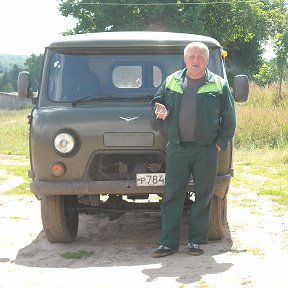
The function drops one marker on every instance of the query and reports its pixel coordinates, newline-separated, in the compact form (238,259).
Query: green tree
(265,75)
(34,65)
(8,87)
(13,75)
(122,15)
(240,26)
(280,29)
(3,81)
(10,78)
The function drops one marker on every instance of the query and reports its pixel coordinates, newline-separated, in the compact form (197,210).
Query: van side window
(127,76)
(157,76)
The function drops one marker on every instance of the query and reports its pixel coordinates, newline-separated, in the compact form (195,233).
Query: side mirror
(24,85)
(241,88)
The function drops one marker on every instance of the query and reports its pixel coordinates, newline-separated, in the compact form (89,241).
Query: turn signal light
(224,53)
(58,169)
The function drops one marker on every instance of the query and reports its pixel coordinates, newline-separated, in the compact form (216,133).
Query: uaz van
(94,145)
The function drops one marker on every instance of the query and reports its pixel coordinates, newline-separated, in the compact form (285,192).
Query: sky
(27,26)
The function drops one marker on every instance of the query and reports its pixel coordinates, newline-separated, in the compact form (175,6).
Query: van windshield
(76,76)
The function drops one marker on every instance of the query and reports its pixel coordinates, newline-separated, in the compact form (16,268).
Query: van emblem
(129,119)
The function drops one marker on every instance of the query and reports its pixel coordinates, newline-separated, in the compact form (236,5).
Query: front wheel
(218,218)
(60,218)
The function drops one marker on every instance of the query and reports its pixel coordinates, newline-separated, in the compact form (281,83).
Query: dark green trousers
(182,161)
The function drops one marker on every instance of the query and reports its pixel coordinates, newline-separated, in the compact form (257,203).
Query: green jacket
(215,119)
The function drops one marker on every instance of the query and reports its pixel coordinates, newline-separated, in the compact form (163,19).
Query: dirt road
(254,252)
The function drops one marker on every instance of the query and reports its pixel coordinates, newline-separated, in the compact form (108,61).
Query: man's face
(196,62)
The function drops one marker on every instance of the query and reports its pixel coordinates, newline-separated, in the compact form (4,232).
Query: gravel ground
(254,252)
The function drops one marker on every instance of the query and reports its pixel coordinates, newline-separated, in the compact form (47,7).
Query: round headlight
(64,143)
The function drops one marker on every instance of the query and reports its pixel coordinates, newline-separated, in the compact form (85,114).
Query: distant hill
(7,61)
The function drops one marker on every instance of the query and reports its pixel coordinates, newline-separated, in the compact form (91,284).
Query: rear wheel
(218,219)
(60,218)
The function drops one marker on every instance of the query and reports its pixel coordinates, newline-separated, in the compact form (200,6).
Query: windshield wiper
(85,98)
(109,97)
(95,98)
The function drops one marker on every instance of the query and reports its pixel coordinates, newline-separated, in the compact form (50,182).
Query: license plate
(150,179)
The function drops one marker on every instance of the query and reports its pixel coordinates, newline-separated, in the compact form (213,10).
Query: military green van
(94,145)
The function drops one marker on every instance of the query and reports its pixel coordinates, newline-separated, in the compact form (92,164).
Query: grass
(267,96)
(261,128)
(201,284)
(262,121)
(20,171)
(14,130)
(279,196)
(77,255)
(264,172)
(22,189)
(244,202)
(252,250)
(255,251)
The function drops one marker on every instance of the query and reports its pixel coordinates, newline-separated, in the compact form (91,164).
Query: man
(198,116)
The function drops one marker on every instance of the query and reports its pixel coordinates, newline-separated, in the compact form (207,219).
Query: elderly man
(198,116)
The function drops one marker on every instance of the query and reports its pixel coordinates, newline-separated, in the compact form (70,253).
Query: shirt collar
(208,77)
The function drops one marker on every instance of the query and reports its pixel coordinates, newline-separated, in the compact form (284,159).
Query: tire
(60,218)
(218,218)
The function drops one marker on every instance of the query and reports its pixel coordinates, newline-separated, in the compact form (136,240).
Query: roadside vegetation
(14,131)
(263,172)
(261,146)
(19,171)
(262,121)
(77,255)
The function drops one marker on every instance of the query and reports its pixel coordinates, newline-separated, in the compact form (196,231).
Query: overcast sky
(27,26)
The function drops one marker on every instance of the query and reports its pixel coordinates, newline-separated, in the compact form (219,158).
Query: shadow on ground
(127,241)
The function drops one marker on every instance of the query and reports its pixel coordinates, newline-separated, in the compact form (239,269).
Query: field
(262,121)
(14,132)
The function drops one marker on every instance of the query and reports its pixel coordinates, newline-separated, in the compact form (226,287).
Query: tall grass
(267,96)
(14,131)
(262,121)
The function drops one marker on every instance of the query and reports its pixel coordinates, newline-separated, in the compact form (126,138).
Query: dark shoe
(194,249)
(163,251)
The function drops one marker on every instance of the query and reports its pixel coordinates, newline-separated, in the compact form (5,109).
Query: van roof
(134,39)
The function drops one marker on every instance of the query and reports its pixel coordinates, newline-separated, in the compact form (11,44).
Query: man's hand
(218,148)
(160,111)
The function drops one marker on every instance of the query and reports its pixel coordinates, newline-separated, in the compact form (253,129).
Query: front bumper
(124,187)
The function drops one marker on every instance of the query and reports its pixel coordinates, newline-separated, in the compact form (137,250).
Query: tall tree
(34,66)
(126,15)
(8,80)
(280,40)
(240,26)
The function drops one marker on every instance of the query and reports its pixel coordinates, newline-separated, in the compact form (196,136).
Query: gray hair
(199,45)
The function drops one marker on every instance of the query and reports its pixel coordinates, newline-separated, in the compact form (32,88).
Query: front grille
(107,165)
